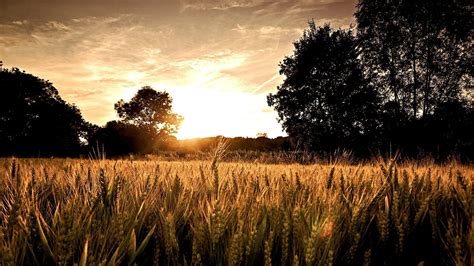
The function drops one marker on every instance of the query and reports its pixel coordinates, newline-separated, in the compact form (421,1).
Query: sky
(218,59)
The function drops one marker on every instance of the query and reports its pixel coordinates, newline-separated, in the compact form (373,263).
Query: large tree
(325,102)
(34,120)
(417,52)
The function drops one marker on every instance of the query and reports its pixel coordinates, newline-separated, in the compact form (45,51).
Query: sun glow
(135,76)
(212,100)
(205,114)
(212,113)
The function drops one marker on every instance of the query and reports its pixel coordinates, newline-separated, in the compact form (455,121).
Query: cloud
(260,4)
(96,52)
(44,10)
(20,22)
(220,4)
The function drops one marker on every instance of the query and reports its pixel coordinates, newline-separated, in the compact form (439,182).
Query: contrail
(261,86)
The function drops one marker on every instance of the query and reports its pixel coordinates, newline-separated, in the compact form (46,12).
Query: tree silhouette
(418,53)
(146,122)
(118,138)
(150,110)
(325,102)
(34,120)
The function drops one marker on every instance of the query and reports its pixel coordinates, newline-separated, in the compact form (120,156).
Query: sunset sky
(217,58)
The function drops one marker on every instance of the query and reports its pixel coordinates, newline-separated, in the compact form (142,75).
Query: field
(91,212)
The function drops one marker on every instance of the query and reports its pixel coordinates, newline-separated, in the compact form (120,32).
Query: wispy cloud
(223,52)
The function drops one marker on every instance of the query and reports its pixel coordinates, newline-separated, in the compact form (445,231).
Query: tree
(151,111)
(34,120)
(325,102)
(146,120)
(119,138)
(418,52)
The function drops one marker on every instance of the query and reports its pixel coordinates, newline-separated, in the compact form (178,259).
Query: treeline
(35,121)
(399,80)
(262,144)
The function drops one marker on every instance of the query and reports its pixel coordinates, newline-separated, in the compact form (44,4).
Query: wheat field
(106,212)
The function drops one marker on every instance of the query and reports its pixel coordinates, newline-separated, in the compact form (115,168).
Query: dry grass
(84,212)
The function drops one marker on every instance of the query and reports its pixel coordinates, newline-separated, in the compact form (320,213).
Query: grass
(91,212)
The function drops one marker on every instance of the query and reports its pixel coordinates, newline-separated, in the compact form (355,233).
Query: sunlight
(135,75)
(211,113)
(205,114)
(128,93)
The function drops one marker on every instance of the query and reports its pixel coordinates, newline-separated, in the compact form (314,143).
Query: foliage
(188,213)
(325,101)
(418,53)
(386,88)
(419,56)
(35,120)
(118,138)
(442,134)
(150,110)
(146,124)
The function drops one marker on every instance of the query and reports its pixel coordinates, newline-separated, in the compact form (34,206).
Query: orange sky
(217,58)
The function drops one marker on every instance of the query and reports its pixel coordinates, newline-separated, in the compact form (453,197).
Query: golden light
(213,113)
(134,75)
(213,102)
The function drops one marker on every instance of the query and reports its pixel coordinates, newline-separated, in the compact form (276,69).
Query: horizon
(217,59)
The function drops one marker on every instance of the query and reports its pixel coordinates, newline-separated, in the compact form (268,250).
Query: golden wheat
(89,212)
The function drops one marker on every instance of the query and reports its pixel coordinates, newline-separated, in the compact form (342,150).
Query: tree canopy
(419,56)
(418,53)
(397,82)
(325,101)
(150,110)
(35,120)
(146,121)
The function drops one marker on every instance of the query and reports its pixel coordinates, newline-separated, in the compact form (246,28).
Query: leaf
(143,245)
(44,240)
(262,228)
(83,260)
(113,259)
(56,216)
(138,213)
(132,244)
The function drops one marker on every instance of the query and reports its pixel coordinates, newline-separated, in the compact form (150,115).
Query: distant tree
(146,123)
(119,138)
(325,102)
(35,121)
(151,111)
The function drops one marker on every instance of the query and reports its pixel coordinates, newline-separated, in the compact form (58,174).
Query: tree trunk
(426,94)
(415,78)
